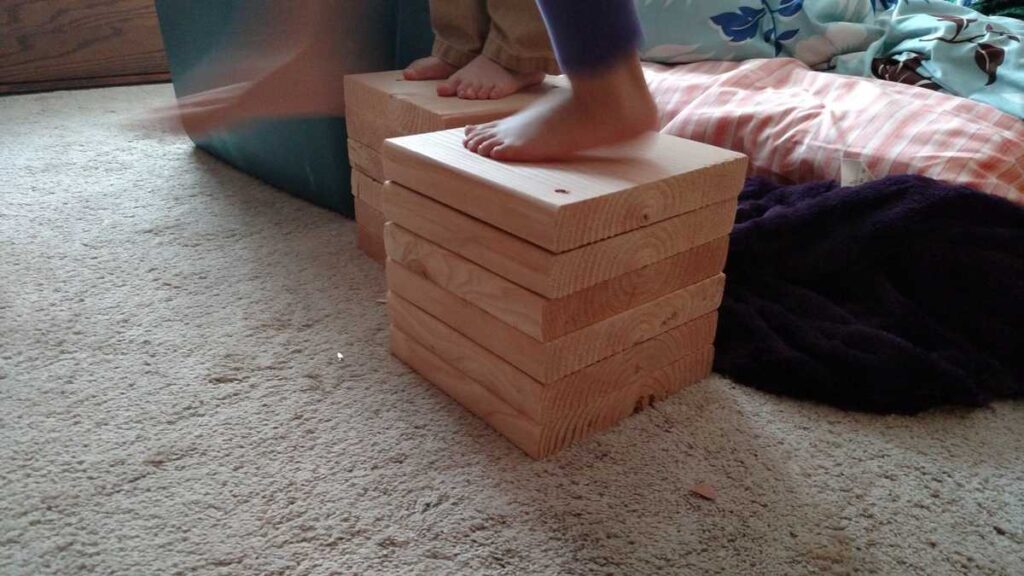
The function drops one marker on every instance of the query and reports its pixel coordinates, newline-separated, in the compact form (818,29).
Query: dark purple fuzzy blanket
(896,296)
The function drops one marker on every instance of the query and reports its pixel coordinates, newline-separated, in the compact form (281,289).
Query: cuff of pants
(455,56)
(587,40)
(507,58)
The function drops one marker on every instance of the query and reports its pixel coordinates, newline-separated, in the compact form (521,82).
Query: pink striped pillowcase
(797,124)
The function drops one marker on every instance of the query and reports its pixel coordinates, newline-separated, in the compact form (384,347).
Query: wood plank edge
(515,426)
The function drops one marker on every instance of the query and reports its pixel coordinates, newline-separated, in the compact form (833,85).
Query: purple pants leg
(591,34)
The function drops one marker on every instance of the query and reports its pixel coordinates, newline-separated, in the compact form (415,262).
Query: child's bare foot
(429,68)
(600,111)
(485,79)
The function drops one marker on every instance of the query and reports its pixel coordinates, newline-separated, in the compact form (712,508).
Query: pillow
(798,125)
(682,31)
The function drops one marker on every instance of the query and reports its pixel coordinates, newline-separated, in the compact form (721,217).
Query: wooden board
(369,217)
(76,43)
(382,105)
(555,401)
(520,429)
(371,244)
(540,440)
(366,159)
(564,205)
(551,361)
(547,319)
(368,190)
(78,83)
(370,230)
(548,274)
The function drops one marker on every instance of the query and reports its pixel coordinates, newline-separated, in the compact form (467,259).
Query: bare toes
(475,142)
(430,68)
(449,88)
(505,152)
(489,127)
(487,147)
(499,91)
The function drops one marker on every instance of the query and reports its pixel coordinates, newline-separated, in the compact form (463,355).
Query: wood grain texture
(78,83)
(48,41)
(590,416)
(369,217)
(551,361)
(366,160)
(513,386)
(369,130)
(641,393)
(382,105)
(560,206)
(371,244)
(548,319)
(566,397)
(549,274)
(515,426)
(368,190)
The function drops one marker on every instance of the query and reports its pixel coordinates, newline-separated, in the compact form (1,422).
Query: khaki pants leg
(517,38)
(460,29)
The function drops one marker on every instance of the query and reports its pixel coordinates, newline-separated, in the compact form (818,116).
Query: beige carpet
(172,401)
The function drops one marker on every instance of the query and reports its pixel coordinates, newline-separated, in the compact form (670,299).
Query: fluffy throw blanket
(895,296)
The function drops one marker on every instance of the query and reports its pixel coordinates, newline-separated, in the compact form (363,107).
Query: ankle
(619,87)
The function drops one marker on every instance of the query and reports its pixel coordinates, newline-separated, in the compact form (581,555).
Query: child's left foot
(485,79)
(429,68)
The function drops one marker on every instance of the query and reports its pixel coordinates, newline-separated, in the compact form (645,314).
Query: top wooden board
(563,205)
(383,105)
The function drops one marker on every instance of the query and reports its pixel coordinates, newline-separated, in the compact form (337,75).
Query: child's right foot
(429,68)
(603,109)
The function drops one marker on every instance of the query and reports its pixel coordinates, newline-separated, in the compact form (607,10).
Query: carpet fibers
(172,402)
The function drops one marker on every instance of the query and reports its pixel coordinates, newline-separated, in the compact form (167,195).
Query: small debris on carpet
(705,490)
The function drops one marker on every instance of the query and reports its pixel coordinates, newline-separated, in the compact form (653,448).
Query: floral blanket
(933,44)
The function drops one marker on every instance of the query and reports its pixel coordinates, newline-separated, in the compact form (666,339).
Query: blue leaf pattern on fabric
(790,8)
(742,26)
(966,53)
(788,35)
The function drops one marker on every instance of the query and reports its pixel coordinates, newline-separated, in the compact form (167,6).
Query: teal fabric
(305,156)
(681,31)
(962,51)
(930,43)
(414,38)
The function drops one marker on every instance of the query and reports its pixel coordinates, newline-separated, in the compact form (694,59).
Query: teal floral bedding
(934,44)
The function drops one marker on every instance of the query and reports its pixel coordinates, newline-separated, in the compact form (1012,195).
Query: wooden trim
(81,83)
(58,44)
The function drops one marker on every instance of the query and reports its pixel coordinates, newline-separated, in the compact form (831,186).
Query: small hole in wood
(561,191)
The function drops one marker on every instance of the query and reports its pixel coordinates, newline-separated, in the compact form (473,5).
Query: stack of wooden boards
(382,105)
(555,299)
